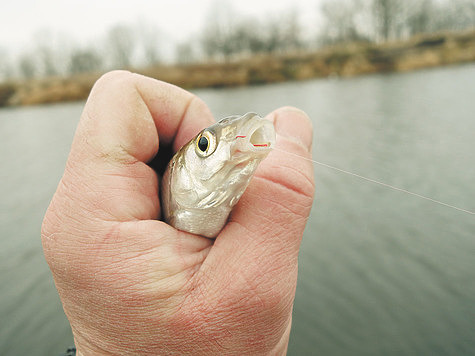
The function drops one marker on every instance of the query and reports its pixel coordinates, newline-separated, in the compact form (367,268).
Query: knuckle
(49,232)
(112,77)
(115,82)
(291,184)
(198,103)
(47,226)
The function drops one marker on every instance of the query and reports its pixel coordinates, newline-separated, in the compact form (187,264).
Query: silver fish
(208,175)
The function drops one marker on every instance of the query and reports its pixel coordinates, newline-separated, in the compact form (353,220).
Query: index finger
(125,120)
(133,113)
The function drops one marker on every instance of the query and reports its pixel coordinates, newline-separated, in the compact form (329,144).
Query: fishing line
(377,182)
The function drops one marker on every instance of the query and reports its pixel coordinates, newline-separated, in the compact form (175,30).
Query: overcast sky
(86,20)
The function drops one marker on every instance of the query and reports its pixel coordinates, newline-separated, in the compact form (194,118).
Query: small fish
(208,175)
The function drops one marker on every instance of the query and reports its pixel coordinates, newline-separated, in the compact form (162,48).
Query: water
(381,272)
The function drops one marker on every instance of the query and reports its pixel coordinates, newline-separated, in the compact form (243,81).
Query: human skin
(132,285)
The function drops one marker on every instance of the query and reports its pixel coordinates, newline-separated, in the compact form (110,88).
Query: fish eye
(205,144)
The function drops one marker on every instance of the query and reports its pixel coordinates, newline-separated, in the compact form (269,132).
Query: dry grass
(351,60)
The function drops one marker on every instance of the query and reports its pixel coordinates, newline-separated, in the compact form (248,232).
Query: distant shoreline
(341,61)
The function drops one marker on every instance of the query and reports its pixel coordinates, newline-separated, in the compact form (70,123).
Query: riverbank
(343,61)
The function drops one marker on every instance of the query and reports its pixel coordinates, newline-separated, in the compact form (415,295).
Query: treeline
(227,35)
(386,20)
(123,46)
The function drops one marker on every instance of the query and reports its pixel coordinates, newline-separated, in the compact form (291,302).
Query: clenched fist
(132,285)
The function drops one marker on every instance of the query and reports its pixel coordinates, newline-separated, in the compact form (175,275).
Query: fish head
(222,158)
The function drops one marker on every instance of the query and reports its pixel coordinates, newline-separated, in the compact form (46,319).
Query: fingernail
(294,124)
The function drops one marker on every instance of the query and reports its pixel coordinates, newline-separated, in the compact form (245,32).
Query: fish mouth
(257,135)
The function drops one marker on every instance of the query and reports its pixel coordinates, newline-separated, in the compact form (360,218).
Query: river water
(381,272)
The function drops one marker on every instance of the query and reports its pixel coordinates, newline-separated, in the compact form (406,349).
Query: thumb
(258,248)
(278,201)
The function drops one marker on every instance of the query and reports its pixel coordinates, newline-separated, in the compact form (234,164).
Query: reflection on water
(381,272)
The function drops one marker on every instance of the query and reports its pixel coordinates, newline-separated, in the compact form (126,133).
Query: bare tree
(451,15)
(227,35)
(185,53)
(218,34)
(272,35)
(341,19)
(48,62)
(291,33)
(120,41)
(250,36)
(6,70)
(85,61)
(255,37)
(461,14)
(148,36)
(27,66)
(383,18)
(419,21)
(211,42)
(390,18)
(46,52)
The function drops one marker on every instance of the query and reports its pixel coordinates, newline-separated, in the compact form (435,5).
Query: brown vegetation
(355,59)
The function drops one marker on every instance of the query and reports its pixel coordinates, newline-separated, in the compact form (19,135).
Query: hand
(133,285)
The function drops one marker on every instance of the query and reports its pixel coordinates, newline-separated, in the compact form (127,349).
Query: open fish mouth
(207,177)
(256,135)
